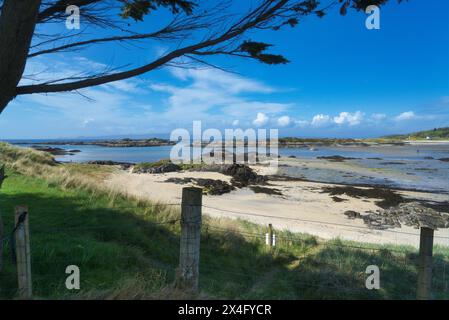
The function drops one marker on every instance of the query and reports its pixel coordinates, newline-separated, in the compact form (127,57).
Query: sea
(405,166)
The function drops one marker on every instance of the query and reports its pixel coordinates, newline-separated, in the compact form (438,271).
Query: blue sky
(343,81)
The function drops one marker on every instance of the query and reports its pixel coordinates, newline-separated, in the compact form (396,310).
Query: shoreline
(294,205)
(283,142)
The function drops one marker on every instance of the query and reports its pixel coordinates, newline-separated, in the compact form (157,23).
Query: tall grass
(124,252)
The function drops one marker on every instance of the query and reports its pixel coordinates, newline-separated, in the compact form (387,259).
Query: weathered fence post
(23,254)
(2,177)
(425,264)
(188,273)
(270,235)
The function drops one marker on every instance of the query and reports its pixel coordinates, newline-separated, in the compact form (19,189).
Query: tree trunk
(17,22)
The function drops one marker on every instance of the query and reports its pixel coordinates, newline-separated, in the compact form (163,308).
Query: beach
(297,205)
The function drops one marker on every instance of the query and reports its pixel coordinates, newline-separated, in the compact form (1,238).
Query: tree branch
(60,7)
(235,31)
(172,31)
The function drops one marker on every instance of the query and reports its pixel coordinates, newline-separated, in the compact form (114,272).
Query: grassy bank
(128,248)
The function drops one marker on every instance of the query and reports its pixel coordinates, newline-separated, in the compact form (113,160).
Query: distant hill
(434,134)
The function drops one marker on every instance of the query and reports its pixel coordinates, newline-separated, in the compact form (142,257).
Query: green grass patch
(129,249)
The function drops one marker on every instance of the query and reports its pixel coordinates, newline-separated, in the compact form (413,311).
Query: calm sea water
(417,166)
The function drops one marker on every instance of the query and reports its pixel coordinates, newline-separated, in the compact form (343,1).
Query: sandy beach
(301,206)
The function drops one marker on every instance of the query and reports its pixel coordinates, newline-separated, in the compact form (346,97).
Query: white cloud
(378,116)
(235,123)
(261,119)
(87,121)
(284,121)
(301,123)
(215,97)
(349,118)
(409,115)
(206,78)
(320,120)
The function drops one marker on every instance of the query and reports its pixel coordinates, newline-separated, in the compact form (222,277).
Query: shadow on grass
(333,272)
(107,244)
(111,244)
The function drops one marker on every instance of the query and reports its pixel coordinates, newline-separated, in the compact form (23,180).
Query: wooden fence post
(270,236)
(188,273)
(425,264)
(23,254)
(2,177)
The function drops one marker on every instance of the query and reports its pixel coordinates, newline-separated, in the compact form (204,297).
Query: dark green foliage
(360,5)
(137,9)
(256,49)
(436,133)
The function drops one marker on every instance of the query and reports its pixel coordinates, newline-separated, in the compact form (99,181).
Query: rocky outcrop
(162,168)
(113,143)
(335,158)
(123,165)
(410,214)
(210,186)
(56,151)
(242,175)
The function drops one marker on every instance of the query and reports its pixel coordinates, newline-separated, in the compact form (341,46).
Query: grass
(434,134)
(124,252)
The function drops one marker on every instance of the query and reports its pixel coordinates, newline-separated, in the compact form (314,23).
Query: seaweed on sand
(389,198)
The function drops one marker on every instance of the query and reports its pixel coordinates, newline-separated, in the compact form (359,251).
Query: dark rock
(428,158)
(392,163)
(335,158)
(242,175)
(269,191)
(123,165)
(337,199)
(352,214)
(210,186)
(53,151)
(444,159)
(214,187)
(163,168)
(410,214)
(285,178)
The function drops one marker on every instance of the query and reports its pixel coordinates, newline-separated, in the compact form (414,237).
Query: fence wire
(314,254)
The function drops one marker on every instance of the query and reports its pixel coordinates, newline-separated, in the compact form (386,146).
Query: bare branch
(176,29)
(265,15)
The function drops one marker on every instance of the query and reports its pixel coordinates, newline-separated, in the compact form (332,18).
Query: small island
(113,143)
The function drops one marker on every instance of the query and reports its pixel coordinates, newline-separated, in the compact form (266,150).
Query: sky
(343,80)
